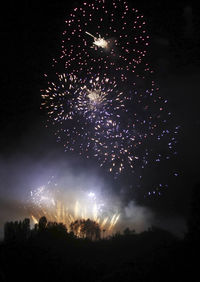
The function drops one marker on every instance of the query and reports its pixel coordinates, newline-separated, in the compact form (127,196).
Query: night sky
(30,37)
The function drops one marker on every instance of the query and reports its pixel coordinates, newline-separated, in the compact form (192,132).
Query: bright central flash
(99,41)
(92,195)
(95,96)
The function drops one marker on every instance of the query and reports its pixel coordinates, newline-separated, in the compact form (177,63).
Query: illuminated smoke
(58,206)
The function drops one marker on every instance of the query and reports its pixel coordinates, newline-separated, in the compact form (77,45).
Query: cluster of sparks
(105,37)
(46,201)
(105,104)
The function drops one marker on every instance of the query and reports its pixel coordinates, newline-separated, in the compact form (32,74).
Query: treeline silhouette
(20,231)
(50,252)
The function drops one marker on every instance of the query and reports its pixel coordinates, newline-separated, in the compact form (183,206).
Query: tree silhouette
(42,223)
(86,229)
(9,231)
(75,227)
(91,229)
(55,229)
(128,232)
(26,228)
(17,231)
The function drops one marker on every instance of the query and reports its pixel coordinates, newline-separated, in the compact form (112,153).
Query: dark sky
(30,37)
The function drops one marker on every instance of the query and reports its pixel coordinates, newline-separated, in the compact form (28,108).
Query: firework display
(105,37)
(57,206)
(95,119)
(103,102)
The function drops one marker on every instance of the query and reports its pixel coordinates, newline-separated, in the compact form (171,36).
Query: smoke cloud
(20,175)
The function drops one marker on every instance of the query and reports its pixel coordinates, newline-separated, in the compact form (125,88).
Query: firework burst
(86,115)
(95,119)
(47,201)
(104,37)
(106,104)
